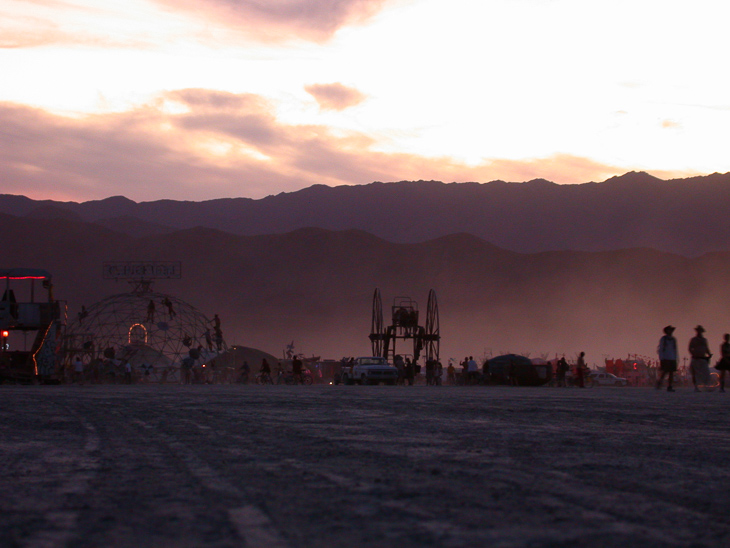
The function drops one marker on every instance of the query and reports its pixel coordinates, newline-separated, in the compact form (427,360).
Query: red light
(6,334)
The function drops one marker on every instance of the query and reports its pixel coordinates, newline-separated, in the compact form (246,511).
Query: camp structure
(30,324)
(520,368)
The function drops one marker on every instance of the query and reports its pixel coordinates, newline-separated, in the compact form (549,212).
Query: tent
(525,371)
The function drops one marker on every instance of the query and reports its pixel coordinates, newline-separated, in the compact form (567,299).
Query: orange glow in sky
(201,99)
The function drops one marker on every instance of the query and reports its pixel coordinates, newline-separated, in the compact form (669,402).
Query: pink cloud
(32,23)
(36,23)
(204,99)
(334,96)
(19,31)
(282,20)
(221,145)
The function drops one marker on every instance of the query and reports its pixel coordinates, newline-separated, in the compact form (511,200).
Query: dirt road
(324,466)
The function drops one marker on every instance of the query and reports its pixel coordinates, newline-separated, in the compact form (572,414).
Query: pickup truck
(369,370)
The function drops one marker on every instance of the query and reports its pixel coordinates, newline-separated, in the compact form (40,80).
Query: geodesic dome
(156,328)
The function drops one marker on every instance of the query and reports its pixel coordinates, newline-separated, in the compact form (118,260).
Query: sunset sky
(202,99)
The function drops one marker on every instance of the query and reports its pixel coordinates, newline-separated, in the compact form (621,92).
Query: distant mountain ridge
(315,286)
(685,216)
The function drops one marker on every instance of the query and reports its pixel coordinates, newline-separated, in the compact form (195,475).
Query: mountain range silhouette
(601,289)
(684,216)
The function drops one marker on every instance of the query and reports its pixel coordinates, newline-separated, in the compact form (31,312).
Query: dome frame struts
(144,326)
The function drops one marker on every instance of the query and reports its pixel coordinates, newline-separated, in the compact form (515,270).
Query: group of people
(580,369)
(407,370)
(700,354)
(99,370)
(668,352)
(264,375)
(151,308)
(469,371)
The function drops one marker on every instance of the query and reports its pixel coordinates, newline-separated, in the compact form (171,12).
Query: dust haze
(315,287)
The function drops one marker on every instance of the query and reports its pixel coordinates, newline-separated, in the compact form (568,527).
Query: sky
(205,99)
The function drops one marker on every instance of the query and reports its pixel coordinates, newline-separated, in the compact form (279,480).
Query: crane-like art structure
(405,326)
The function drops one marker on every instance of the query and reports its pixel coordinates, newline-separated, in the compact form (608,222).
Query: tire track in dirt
(250,522)
(62,493)
(386,466)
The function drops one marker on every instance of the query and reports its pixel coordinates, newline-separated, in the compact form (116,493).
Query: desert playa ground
(323,466)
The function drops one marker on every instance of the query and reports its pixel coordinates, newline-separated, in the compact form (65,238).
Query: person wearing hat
(667,357)
(700,352)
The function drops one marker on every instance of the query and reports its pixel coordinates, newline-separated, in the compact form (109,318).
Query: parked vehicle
(369,370)
(608,379)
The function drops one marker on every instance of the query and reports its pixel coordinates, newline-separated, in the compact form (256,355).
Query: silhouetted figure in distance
(700,353)
(667,357)
(580,370)
(265,372)
(563,369)
(410,371)
(296,366)
(170,310)
(724,363)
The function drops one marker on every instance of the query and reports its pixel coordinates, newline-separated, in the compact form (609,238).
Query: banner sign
(143,270)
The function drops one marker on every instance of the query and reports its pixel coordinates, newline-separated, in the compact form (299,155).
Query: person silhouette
(667,351)
(151,311)
(724,364)
(700,353)
(580,370)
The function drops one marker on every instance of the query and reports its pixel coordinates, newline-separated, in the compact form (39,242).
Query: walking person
(562,371)
(580,370)
(450,373)
(296,366)
(127,372)
(243,376)
(724,363)
(265,372)
(473,370)
(667,351)
(78,365)
(400,365)
(465,371)
(700,364)
(430,370)
(438,380)
(410,371)
(550,372)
